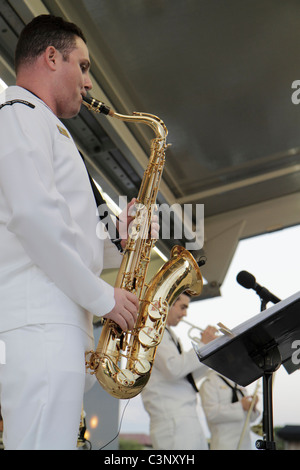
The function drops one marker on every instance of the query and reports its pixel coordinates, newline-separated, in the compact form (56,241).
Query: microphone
(248,281)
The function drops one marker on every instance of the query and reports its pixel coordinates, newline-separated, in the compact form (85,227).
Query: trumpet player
(171,396)
(226,407)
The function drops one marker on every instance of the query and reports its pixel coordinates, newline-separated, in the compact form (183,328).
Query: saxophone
(123,360)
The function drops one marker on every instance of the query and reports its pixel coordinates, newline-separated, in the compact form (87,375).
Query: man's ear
(51,56)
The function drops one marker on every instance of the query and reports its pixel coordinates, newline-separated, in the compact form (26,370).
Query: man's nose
(88,84)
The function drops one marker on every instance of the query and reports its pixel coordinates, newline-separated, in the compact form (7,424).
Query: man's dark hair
(186,293)
(44,31)
(183,293)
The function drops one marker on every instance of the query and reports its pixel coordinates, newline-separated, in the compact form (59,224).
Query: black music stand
(255,349)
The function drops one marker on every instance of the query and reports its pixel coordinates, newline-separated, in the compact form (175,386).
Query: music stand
(257,348)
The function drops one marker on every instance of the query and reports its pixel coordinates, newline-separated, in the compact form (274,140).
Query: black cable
(118,429)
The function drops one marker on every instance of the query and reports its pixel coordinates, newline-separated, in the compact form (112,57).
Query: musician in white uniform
(170,397)
(226,407)
(52,243)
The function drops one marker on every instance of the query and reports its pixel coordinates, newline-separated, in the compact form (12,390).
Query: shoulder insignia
(10,103)
(63,131)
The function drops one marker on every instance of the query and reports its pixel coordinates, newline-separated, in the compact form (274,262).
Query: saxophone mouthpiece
(97,106)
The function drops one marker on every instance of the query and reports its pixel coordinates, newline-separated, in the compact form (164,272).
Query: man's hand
(125,310)
(209,334)
(247,401)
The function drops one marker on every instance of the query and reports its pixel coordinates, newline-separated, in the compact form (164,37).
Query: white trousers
(42,386)
(178,432)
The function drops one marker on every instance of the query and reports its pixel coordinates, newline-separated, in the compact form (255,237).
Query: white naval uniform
(224,418)
(171,401)
(50,261)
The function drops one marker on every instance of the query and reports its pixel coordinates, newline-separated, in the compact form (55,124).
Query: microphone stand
(263,304)
(269,362)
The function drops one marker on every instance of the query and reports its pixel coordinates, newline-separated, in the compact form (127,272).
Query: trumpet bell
(195,339)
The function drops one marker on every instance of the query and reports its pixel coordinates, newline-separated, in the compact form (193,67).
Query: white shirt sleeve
(112,256)
(174,365)
(38,213)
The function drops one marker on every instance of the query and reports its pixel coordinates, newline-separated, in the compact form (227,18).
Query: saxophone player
(51,257)
(171,396)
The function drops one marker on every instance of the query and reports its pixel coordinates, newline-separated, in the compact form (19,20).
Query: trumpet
(196,339)
(221,329)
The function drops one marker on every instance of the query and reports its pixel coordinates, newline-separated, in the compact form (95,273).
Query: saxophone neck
(151,120)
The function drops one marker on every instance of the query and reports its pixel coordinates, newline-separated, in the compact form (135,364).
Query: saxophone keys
(157,309)
(135,231)
(125,377)
(154,311)
(142,366)
(92,361)
(149,337)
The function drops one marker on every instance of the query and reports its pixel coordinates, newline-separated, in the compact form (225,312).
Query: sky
(274,260)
